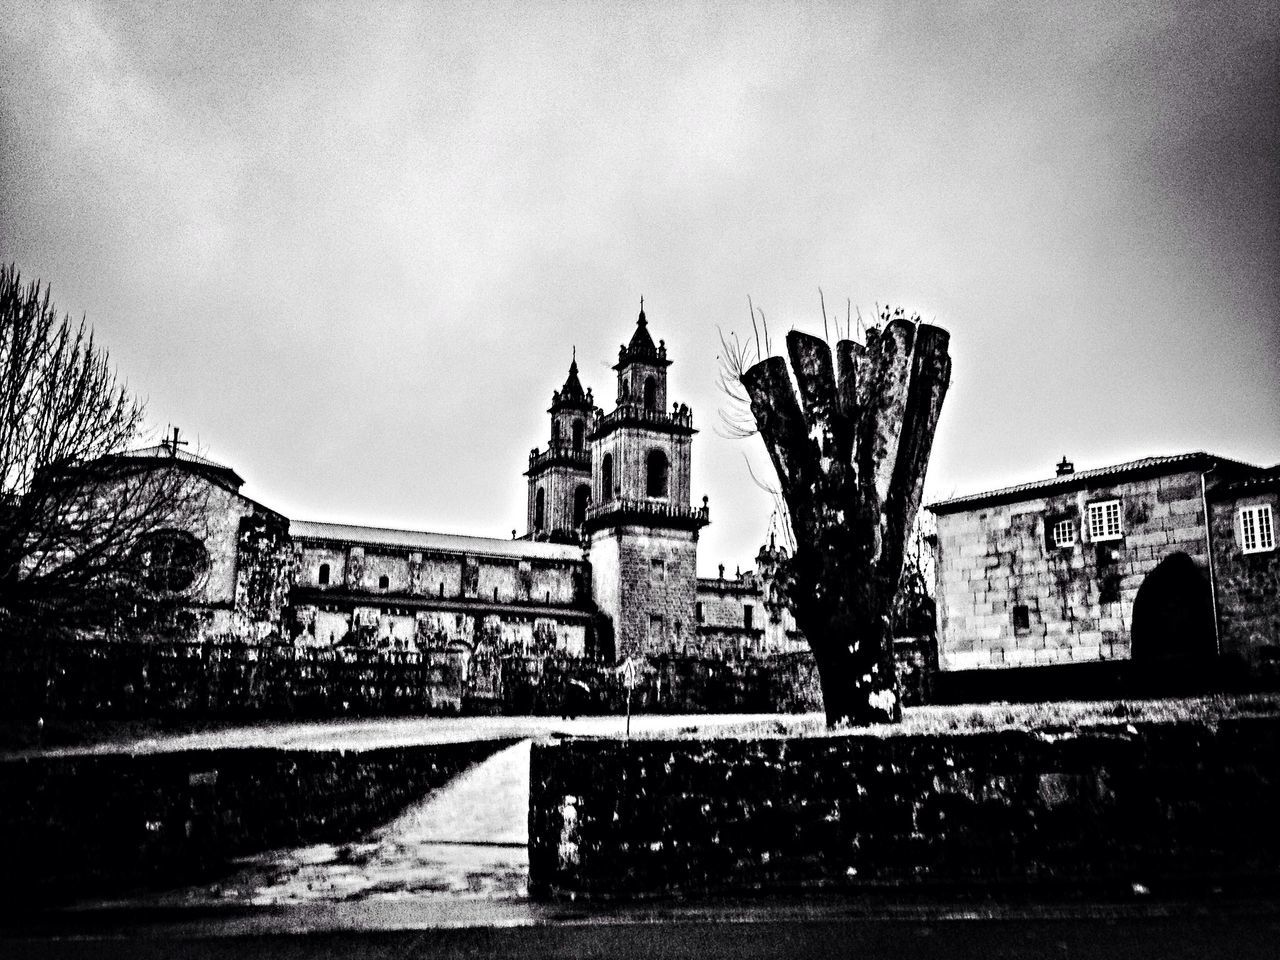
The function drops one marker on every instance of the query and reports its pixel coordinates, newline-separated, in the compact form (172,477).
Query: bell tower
(642,533)
(560,476)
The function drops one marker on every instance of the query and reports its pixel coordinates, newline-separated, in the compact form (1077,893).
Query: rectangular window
(658,569)
(1104,521)
(1021,619)
(1064,534)
(747,611)
(697,610)
(655,628)
(1257,535)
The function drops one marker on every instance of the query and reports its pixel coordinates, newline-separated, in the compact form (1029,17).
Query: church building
(607,566)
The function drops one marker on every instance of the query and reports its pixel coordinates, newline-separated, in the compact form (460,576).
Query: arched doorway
(581,497)
(1173,614)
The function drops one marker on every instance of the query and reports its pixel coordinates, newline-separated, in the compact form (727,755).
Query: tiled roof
(437,542)
(1268,479)
(1158,465)
(162,451)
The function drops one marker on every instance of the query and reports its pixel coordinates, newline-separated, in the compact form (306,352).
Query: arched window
(656,485)
(577,434)
(555,431)
(323,577)
(606,477)
(539,509)
(650,393)
(581,497)
(383,582)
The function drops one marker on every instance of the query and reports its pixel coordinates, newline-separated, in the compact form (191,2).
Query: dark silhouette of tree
(850,443)
(81,524)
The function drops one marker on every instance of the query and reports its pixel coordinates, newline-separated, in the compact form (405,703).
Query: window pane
(1248,533)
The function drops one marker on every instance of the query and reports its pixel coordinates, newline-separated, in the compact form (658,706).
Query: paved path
(467,840)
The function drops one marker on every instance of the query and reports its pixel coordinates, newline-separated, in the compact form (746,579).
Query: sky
(349,249)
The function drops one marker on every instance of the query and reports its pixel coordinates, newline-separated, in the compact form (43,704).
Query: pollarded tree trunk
(851,453)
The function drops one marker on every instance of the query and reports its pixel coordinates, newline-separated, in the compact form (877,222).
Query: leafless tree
(75,515)
(850,443)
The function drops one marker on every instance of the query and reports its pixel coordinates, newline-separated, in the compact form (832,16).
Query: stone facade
(746,616)
(889,813)
(1101,565)
(1247,571)
(238,575)
(413,591)
(646,580)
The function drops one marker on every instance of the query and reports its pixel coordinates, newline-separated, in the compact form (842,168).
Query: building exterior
(1246,569)
(607,566)
(1142,561)
(225,556)
(405,590)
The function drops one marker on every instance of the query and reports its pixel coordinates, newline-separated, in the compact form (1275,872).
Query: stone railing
(560,451)
(657,509)
(627,412)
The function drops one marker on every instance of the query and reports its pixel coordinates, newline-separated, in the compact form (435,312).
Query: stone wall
(652,600)
(79,824)
(630,449)
(1248,587)
(415,573)
(722,622)
(120,680)
(1078,600)
(1101,808)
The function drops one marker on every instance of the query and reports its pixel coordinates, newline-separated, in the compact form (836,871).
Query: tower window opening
(539,509)
(581,497)
(650,393)
(747,611)
(383,582)
(323,577)
(606,477)
(555,431)
(577,434)
(656,485)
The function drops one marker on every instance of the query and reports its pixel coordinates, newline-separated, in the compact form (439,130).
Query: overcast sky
(349,248)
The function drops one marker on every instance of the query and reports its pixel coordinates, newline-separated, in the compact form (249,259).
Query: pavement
(809,927)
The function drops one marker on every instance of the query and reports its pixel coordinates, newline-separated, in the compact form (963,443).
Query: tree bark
(851,447)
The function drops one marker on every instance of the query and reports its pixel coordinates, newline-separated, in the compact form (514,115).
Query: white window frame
(1106,521)
(1064,534)
(1256,528)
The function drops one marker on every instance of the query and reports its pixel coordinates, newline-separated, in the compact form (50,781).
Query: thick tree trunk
(850,452)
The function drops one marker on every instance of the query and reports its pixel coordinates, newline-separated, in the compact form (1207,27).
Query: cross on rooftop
(173,443)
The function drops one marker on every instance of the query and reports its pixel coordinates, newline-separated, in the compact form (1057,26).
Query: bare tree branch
(72,512)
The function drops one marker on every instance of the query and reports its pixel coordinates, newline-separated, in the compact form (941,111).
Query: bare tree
(75,514)
(850,443)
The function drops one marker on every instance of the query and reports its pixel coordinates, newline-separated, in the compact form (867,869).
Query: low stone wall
(77,824)
(1109,805)
(170,679)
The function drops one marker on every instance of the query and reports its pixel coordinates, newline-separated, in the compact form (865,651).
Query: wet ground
(468,840)
(448,877)
(459,855)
